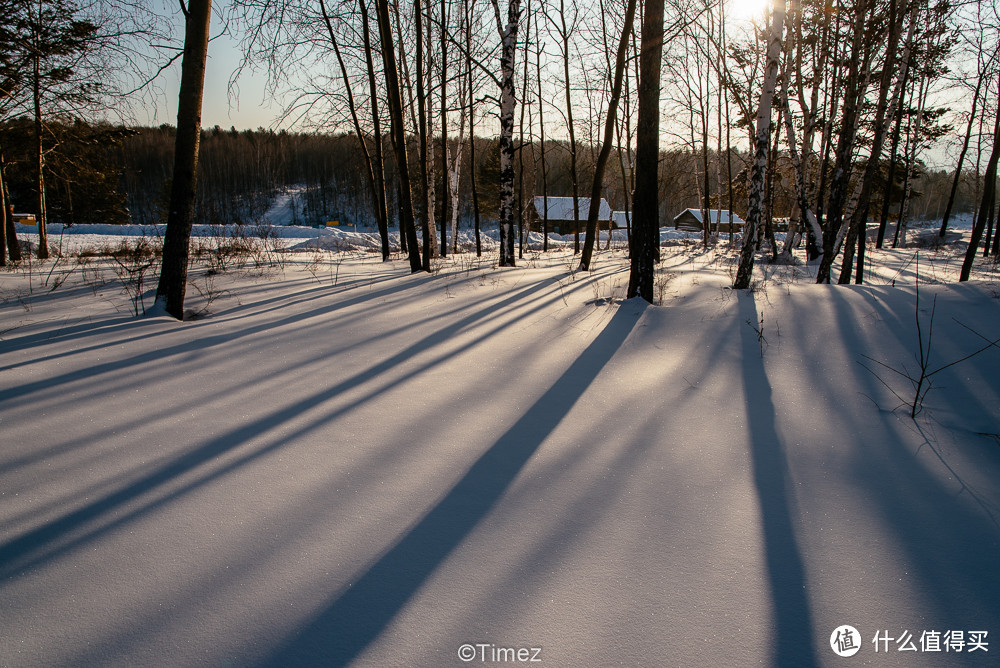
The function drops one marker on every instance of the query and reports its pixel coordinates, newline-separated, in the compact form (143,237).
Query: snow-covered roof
(713,216)
(619,218)
(561,208)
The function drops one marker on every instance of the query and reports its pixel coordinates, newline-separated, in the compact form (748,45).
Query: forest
(425,117)
(428,436)
(113,174)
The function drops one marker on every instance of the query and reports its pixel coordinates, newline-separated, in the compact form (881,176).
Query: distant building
(621,220)
(560,214)
(691,220)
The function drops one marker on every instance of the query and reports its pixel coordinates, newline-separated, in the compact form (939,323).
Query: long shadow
(793,645)
(359,615)
(949,547)
(64,533)
(201,343)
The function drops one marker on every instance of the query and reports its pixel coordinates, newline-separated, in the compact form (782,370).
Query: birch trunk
(762,143)
(508,43)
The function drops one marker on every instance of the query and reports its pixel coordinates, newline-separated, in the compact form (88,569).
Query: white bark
(761,145)
(508,41)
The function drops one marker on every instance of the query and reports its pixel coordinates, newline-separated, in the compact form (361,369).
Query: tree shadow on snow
(76,527)
(358,615)
(793,636)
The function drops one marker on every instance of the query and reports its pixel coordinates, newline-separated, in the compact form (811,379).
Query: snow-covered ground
(340,463)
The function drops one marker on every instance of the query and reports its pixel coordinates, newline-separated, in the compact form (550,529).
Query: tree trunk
(381,206)
(989,190)
(444,128)
(898,113)
(609,129)
(808,218)
(398,135)
(373,183)
(858,232)
(845,146)
(911,164)
(4,210)
(42,216)
(472,129)
(425,198)
(645,201)
(519,211)
(545,171)
(762,143)
(180,217)
(456,172)
(7,215)
(508,41)
(570,126)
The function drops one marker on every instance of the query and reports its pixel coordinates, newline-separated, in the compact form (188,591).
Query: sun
(746,10)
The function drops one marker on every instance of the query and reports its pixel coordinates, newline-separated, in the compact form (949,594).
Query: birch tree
(508,50)
(762,138)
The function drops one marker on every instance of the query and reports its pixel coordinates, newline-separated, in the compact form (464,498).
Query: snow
(340,463)
(714,216)
(561,208)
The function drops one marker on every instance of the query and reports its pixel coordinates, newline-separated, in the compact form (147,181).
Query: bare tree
(609,129)
(180,217)
(645,202)
(980,79)
(853,97)
(423,130)
(761,143)
(508,41)
(986,204)
(564,32)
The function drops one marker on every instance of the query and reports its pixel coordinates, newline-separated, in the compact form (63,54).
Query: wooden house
(560,214)
(621,220)
(692,220)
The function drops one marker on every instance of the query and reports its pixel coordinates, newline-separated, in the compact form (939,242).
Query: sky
(248,107)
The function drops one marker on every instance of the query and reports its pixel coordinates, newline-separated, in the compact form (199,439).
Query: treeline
(104,174)
(100,173)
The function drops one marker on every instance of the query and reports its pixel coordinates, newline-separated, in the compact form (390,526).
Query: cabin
(692,221)
(621,220)
(560,214)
